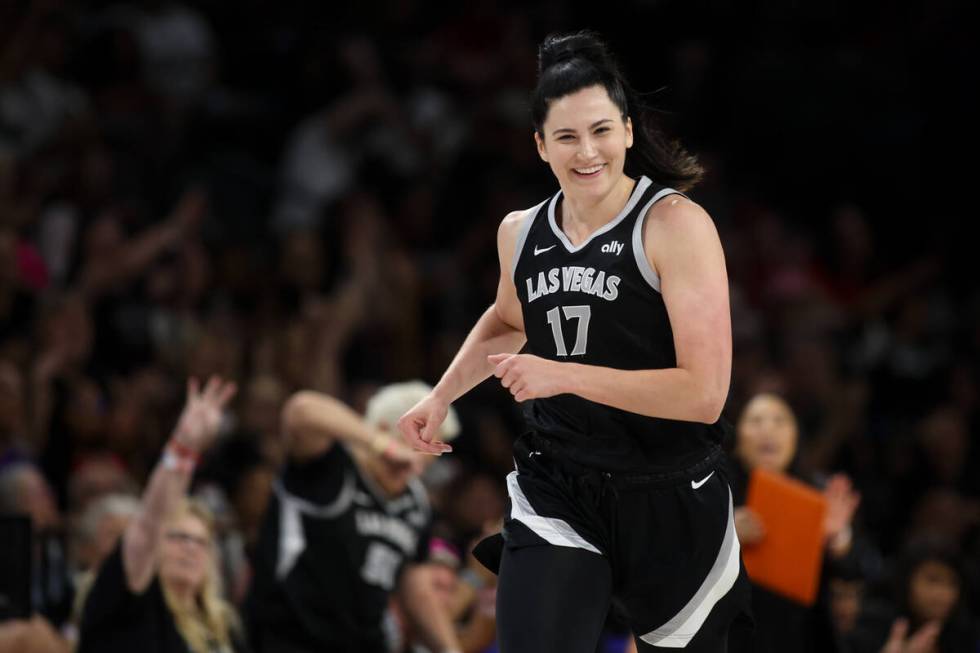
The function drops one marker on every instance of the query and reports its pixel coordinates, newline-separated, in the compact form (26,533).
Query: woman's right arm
(195,431)
(500,329)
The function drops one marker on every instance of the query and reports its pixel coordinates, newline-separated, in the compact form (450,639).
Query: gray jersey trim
(682,627)
(522,238)
(551,529)
(292,537)
(639,254)
(638,191)
(417,488)
(333,509)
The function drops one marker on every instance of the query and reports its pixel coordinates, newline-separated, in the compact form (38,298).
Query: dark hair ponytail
(567,63)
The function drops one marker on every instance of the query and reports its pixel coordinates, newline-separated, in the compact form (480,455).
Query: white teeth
(589,171)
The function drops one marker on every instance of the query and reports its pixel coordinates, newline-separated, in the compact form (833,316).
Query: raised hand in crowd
(196,429)
(921,641)
(201,418)
(163,581)
(842,502)
(111,258)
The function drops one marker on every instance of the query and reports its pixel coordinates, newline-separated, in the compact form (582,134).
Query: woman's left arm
(683,246)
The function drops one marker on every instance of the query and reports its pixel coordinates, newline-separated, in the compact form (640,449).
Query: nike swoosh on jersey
(542,251)
(697,484)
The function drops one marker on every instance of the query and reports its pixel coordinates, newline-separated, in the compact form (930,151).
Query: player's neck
(579,217)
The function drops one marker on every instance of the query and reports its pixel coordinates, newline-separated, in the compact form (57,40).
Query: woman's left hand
(529,377)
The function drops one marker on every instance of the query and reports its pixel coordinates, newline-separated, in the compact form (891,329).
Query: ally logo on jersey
(612,247)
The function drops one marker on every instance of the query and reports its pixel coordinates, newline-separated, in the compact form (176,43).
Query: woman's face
(444,583)
(185,553)
(766,434)
(934,589)
(845,603)
(393,477)
(584,139)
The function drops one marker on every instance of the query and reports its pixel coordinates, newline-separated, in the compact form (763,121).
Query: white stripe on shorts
(683,626)
(552,530)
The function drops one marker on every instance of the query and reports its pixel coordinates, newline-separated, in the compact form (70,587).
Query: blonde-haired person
(346,526)
(159,591)
(386,406)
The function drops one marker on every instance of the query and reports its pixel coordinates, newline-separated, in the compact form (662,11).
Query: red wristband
(183,451)
(179,457)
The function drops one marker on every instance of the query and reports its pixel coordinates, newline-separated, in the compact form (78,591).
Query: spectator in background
(467,595)
(178,52)
(13,416)
(766,438)
(367,123)
(927,610)
(263,400)
(159,590)
(843,595)
(17,303)
(100,527)
(442,564)
(31,636)
(37,103)
(938,489)
(24,490)
(95,476)
(475,601)
(95,536)
(346,524)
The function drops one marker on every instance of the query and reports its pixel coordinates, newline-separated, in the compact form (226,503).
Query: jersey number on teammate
(581,313)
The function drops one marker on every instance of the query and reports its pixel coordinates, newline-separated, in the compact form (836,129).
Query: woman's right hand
(420,425)
(748,526)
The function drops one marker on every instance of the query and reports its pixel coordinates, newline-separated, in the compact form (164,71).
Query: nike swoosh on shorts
(697,484)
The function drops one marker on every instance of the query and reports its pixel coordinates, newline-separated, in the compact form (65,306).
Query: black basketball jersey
(329,554)
(599,303)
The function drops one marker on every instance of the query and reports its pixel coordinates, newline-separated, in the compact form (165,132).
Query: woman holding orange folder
(766,439)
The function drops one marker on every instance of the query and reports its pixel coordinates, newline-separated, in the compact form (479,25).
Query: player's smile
(590,172)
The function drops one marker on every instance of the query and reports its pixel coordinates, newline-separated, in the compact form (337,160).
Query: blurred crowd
(303,196)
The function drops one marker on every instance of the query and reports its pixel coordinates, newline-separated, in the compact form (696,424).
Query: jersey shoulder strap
(642,262)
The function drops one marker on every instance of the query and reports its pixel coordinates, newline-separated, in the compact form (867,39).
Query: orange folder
(787,561)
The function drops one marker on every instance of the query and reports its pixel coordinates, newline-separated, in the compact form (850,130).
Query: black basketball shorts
(669,538)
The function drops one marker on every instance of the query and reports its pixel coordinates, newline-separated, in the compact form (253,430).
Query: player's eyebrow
(569,130)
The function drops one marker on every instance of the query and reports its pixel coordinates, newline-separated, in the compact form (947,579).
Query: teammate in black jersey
(346,523)
(618,286)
